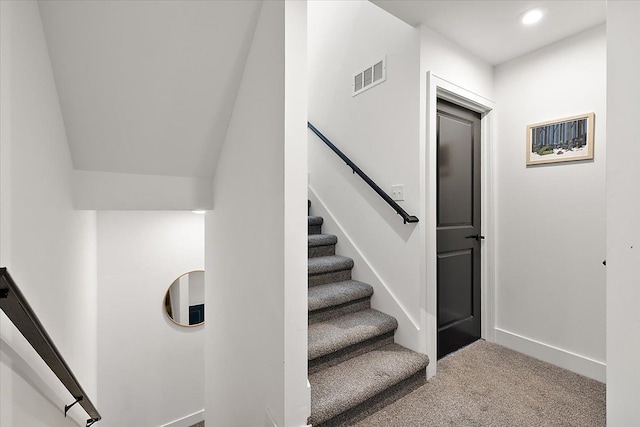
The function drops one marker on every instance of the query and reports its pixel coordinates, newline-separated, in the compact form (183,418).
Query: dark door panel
(455,169)
(455,271)
(458,221)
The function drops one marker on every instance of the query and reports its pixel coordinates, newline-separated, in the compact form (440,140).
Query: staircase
(355,368)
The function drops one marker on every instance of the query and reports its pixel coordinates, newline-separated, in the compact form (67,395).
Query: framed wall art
(562,140)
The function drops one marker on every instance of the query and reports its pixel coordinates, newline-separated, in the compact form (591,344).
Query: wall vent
(370,76)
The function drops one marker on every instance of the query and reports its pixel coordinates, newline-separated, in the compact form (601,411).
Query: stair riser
(339,310)
(314,229)
(335,276)
(347,353)
(317,251)
(376,403)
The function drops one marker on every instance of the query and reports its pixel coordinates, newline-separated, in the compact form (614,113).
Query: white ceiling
(491,30)
(148,87)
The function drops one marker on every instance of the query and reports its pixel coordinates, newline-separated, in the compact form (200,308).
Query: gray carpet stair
(338,298)
(341,338)
(315,224)
(355,368)
(346,386)
(329,269)
(322,245)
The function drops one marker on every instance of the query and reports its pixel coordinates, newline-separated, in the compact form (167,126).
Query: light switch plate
(397,192)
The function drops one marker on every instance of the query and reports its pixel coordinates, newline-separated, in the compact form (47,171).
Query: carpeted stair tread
(344,331)
(314,225)
(321,240)
(333,294)
(328,264)
(341,387)
(315,220)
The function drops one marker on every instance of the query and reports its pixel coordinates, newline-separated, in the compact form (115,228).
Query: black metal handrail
(18,310)
(405,216)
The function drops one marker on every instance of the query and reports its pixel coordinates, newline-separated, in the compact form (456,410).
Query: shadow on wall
(20,366)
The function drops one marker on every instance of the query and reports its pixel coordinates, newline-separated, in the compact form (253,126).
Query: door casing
(437,87)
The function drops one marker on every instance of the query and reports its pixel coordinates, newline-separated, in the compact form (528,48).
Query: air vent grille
(370,76)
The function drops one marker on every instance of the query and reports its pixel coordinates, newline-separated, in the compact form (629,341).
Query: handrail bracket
(67,407)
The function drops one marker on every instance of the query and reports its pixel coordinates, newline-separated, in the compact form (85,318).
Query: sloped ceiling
(490,28)
(148,87)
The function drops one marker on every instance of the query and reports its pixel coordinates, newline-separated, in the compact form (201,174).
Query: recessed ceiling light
(532,16)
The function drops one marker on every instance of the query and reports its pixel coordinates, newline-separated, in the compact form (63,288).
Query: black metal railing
(405,216)
(18,310)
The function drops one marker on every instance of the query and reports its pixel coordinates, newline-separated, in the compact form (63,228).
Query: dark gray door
(458,227)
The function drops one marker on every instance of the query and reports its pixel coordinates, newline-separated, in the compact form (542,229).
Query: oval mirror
(184,300)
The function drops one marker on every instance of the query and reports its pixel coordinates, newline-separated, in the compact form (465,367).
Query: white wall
(623,203)
(256,298)
(297,392)
(48,248)
(122,191)
(378,129)
(551,219)
(453,63)
(150,370)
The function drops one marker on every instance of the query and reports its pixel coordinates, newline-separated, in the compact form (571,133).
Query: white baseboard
(556,356)
(187,421)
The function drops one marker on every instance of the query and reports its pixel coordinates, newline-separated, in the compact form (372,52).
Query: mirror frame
(165,301)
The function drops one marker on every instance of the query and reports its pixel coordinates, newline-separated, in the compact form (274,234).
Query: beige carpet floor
(488,385)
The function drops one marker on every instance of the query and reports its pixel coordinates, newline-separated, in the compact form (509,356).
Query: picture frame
(568,139)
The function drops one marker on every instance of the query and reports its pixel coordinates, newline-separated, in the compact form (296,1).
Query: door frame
(437,87)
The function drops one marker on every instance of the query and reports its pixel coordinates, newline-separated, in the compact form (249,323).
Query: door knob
(475,236)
